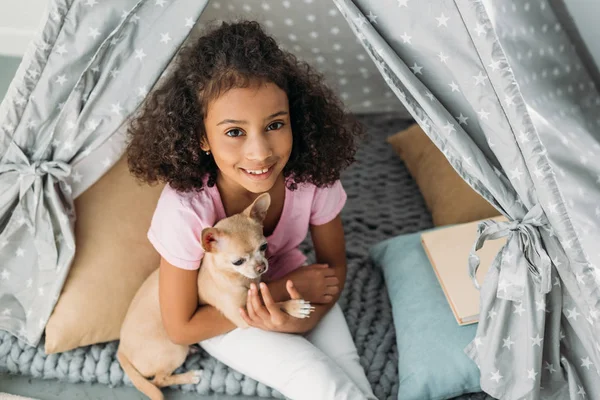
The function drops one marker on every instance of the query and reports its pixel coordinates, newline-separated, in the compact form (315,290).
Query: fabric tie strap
(30,180)
(522,254)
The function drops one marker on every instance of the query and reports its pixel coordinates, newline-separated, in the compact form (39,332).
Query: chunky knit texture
(383,201)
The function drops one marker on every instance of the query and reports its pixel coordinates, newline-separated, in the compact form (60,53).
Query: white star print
(495,65)
(139,54)
(523,137)
(61,49)
(165,38)
(406,38)
(538,172)
(416,69)
(477,341)
(462,119)
(496,376)
(573,314)
(492,313)
(134,19)
(91,3)
(503,285)
(23,332)
(483,114)
(142,91)
(372,17)
(402,3)
(550,367)
(106,162)
(360,21)
(430,95)
(454,87)
(92,124)
(579,278)
(479,79)
(516,174)
(537,340)
(449,128)
(519,309)
(479,29)
(61,79)
(5,275)
(7,312)
(116,108)
(160,3)
(508,100)
(442,20)
(94,33)
(114,72)
(69,145)
(540,305)
(443,57)
(507,342)
(189,23)
(41,291)
(531,374)
(20,252)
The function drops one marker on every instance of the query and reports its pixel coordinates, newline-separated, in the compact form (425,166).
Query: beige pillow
(447,196)
(112,259)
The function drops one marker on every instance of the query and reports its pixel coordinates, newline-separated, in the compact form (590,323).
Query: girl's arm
(330,248)
(185,322)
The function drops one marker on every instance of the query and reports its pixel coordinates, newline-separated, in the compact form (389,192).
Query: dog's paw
(297,308)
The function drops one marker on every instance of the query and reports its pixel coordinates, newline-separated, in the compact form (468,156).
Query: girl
(239,117)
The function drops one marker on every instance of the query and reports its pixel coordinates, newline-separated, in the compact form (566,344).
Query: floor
(56,390)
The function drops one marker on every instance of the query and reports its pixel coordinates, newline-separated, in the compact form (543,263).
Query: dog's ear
(210,239)
(258,209)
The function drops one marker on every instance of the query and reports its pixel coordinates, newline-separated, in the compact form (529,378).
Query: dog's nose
(261,268)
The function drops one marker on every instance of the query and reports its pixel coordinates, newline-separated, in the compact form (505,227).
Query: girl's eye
(275,126)
(238,262)
(234,133)
(263,247)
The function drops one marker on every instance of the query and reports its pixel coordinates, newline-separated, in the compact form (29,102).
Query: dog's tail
(141,383)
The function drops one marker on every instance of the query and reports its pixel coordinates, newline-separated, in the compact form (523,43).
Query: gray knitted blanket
(383,201)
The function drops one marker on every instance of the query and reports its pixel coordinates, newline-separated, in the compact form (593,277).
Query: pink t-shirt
(179,219)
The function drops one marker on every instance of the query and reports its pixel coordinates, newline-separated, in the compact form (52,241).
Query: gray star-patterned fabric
(499,88)
(497,85)
(88,69)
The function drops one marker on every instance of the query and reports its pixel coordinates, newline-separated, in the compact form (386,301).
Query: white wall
(19,20)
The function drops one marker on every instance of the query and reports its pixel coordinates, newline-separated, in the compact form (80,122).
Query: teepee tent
(497,86)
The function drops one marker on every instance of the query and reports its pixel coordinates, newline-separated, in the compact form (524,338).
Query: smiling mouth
(258,173)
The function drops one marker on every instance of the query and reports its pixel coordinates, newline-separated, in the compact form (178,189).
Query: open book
(448,251)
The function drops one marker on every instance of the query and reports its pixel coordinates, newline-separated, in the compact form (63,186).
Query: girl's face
(249,135)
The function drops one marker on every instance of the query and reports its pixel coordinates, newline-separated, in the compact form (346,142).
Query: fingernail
(262,285)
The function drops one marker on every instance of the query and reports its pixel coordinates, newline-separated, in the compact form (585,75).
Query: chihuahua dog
(234,259)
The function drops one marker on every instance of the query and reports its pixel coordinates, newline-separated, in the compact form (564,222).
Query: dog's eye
(263,247)
(239,262)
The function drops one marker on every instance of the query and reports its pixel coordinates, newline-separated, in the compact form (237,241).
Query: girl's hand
(269,316)
(317,283)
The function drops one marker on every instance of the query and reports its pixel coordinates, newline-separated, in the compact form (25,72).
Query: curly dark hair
(165,136)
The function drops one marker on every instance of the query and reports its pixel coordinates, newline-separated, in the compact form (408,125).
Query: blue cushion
(431,359)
